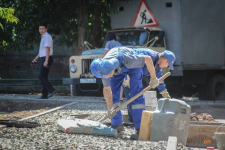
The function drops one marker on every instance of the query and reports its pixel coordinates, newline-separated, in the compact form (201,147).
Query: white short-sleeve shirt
(46,41)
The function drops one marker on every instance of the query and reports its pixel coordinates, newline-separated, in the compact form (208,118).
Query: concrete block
(172,143)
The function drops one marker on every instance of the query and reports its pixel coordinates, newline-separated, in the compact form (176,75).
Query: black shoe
(51,94)
(42,97)
(135,136)
(119,128)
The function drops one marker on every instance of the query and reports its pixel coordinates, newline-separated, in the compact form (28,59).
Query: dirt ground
(15,111)
(16,115)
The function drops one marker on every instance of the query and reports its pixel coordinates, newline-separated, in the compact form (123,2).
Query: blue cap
(170,58)
(100,67)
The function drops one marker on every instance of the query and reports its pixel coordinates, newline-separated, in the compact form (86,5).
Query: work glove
(165,94)
(154,83)
(126,83)
(111,112)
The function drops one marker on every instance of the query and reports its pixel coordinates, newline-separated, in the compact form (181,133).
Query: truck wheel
(215,88)
(73,89)
(188,90)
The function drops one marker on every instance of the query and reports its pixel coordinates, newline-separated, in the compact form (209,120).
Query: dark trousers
(43,76)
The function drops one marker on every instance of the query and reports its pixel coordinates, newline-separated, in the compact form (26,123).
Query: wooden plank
(2,126)
(172,143)
(145,129)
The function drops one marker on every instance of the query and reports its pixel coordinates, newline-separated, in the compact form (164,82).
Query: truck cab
(83,82)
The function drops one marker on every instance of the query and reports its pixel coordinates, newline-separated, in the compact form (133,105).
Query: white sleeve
(47,41)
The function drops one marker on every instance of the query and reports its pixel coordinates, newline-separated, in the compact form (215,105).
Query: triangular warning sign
(144,16)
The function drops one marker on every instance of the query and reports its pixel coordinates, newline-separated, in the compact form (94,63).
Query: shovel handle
(142,92)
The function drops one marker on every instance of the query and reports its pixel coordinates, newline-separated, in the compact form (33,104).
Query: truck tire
(215,88)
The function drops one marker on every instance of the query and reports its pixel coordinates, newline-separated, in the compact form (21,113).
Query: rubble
(204,117)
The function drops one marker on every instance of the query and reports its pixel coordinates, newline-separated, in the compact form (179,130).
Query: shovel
(136,96)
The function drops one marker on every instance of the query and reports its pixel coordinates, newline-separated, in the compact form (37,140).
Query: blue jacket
(155,59)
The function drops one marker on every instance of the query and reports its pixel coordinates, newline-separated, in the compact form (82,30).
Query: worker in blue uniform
(116,64)
(111,42)
(157,59)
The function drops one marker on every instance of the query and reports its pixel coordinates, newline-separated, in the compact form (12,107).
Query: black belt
(45,56)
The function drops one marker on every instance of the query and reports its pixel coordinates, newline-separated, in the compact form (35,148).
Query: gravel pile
(49,137)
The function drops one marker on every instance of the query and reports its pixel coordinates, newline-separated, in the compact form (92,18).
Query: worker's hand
(165,94)
(154,83)
(33,62)
(111,112)
(45,64)
(126,83)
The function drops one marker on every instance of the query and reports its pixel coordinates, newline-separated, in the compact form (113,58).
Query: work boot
(136,135)
(119,128)
(51,94)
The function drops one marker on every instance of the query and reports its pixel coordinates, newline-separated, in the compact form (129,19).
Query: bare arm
(150,66)
(106,51)
(108,96)
(36,58)
(47,56)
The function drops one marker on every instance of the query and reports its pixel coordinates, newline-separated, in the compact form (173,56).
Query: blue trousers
(129,106)
(138,105)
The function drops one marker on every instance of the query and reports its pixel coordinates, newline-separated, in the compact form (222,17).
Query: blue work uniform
(111,44)
(155,59)
(130,64)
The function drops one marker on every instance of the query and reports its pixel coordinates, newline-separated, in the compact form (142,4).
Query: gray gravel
(49,137)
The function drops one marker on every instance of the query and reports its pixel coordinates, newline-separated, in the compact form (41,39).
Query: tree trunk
(96,31)
(82,28)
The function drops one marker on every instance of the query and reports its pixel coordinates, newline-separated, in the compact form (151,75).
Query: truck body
(195,32)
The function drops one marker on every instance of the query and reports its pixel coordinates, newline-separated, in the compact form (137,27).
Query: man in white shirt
(45,53)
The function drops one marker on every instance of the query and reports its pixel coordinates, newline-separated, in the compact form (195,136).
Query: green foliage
(7,14)
(61,18)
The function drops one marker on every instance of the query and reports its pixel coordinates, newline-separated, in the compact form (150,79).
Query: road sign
(144,16)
